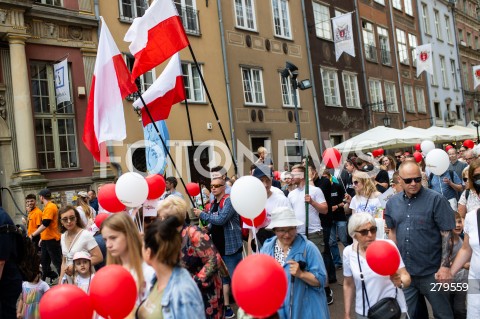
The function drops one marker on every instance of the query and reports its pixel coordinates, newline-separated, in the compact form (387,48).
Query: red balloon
(381,152)
(418,156)
(113,292)
(276,175)
(107,198)
(100,218)
(257,220)
(383,257)
(255,278)
(375,153)
(448,147)
(418,147)
(192,189)
(156,186)
(331,157)
(468,143)
(66,301)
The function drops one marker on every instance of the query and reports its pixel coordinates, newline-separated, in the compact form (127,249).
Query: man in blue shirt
(443,184)
(421,223)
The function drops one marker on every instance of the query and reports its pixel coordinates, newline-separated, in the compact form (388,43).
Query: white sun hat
(283,217)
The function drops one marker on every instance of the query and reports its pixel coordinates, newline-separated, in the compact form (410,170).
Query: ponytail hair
(164,240)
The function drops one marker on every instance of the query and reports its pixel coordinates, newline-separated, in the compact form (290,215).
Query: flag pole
(213,107)
(164,145)
(307,181)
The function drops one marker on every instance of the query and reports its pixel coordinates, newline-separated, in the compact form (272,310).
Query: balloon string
(440,182)
(255,237)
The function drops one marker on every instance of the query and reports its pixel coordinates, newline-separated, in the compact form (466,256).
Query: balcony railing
(189,19)
(371,52)
(386,57)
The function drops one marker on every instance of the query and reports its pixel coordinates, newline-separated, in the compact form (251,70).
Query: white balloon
(427,146)
(131,189)
(248,196)
(437,161)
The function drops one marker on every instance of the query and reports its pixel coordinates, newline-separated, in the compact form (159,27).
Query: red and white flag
(155,36)
(110,84)
(424,59)
(476,76)
(167,90)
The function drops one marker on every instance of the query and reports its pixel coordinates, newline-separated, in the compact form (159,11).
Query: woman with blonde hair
(87,213)
(366,195)
(124,247)
(199,256)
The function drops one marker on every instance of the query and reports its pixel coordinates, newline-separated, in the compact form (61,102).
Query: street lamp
(291,71)
(387,121)
(476,124)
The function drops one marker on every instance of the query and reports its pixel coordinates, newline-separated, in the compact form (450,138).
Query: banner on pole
(343,35)
(155,154)
(62,84)
(476,76)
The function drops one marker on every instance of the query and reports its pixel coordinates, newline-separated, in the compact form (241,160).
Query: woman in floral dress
(199,257)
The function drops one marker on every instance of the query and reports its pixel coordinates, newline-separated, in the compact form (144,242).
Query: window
(436,107)
(409,7)
(384,46)
(402,46)
(382,2)
(397,4)
(188,12)
(465,76)
(448,29)
(287,92)
(350,87)
(376,98)
(199,154)
(50,2)
(55,132)
(253,86)
(412,41)
(330,87)
(476,43)
(469,39)
(336,139)
(443,69)
(323,26)
(434,75)
(420,94)
(391,97)
(458,108)
(426,22)
(437,24)
(146,79)
(193,83)
(245,14)
(281,18)
(131,9)
(369,40)
(460,35)
(453,70)
(409,101)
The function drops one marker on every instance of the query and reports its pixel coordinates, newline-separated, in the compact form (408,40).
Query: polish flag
(155,36)
(110,84)
(167,90)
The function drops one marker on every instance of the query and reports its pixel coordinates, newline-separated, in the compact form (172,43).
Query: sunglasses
(476,177)
(465,179)
(68,219)
(410,180)
(216,185)
(469,158)
(364,232)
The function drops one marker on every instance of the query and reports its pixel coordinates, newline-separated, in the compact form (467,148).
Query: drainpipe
(397,63)
(362,58)
(227,80)
(312,76)
(452,6)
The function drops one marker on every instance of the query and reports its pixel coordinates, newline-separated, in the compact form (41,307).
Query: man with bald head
(421,222)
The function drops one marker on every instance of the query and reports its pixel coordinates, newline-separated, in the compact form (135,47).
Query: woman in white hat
(303,265)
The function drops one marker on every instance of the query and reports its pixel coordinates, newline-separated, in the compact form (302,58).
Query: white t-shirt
(473,201)
(41,286)
(83,242)
(297,200)
(361,204)
(470,227)
(88,222)
(377,286)
(275,200)
(83,282)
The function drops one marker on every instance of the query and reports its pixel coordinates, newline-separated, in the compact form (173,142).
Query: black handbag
(385,308)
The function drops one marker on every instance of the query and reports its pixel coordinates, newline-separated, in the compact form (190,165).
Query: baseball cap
(261,171)
(83,194)
(45,193)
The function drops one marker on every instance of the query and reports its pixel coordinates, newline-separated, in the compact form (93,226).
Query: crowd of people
(184,270)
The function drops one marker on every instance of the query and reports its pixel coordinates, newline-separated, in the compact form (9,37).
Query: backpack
(25,255)
(430,177)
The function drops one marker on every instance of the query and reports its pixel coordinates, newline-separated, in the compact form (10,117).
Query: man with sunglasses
(421,223)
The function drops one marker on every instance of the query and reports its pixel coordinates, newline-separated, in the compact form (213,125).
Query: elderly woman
(366,196)
(362,227)
(303,265)
(199,257)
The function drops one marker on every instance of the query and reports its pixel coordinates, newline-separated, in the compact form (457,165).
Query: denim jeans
(339,229)
(439,300)
(231,261)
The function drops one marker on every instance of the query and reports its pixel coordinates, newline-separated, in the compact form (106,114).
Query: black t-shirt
(347,181)
(337,197)
(326,186)
(217,232)
(11,277)
(382,177)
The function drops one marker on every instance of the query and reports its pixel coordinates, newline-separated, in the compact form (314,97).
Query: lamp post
(476,124)
(387,121)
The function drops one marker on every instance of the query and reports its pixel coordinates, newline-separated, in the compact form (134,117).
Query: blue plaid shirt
(230,220)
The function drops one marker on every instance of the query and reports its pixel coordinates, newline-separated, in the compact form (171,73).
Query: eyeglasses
(410,180)
(355,183)
(216,185)
(68,219)
(285,230)
(469,159)
(364,232)
(465,179)
(398,156)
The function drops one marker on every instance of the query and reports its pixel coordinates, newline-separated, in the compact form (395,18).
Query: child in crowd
(458,298)
(83,270)
(32,292)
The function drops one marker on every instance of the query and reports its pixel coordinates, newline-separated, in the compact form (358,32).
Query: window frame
(391,96)
(408,5)
(449,29)
(189,16)
(190,82)
(421,102)
(336,88)
(244,7)
(443,69)
(323,25)
(369,41)
(409,96)
(144,83)
(253,89)
(134,9)
(376,95)
(453,73)
(397,4)
(281,19)
(413,48)
(289,93)
(352,95)
(402,46)
(438,27)
(385,52)
(426,19)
